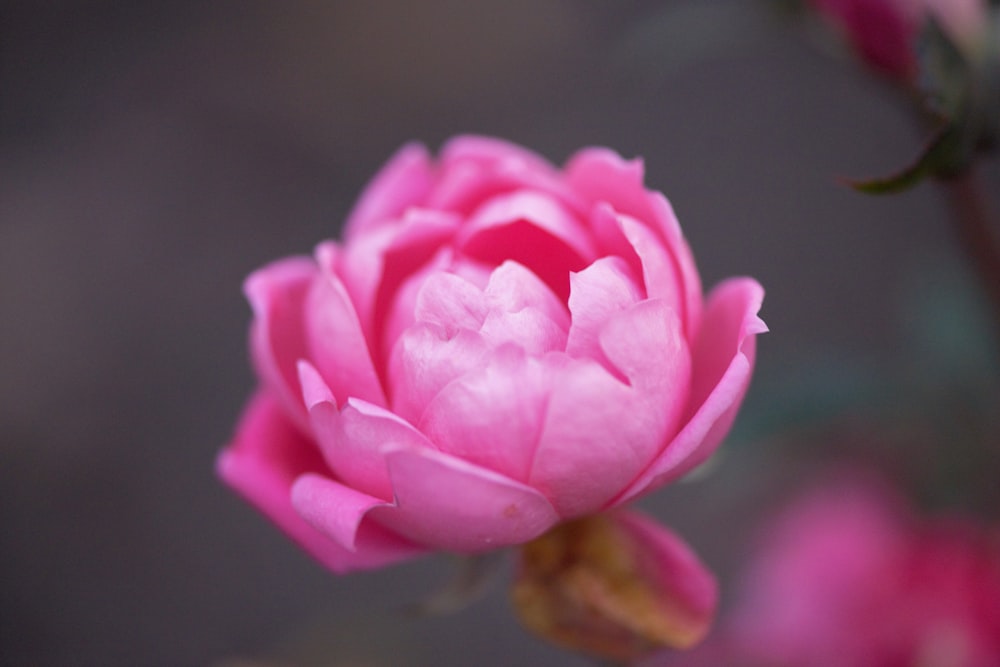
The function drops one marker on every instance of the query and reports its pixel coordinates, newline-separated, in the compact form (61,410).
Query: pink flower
(884,32)
(496,346)
(846,577)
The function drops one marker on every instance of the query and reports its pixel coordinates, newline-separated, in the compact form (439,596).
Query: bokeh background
(152,154)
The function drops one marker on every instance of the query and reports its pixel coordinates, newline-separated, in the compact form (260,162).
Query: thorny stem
(976,225)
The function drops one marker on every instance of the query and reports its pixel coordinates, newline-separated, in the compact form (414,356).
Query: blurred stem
(975,222)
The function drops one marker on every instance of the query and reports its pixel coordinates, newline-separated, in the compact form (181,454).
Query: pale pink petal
(601,433)
(352,438)
(450,504)
(723,360)
(277,295)
(524,311)
(600,174)
(337,345)
(426,359)
(687,588)
(451,303)
(404,310)
(262,463)
(599,291)
(492,416)
(404,181)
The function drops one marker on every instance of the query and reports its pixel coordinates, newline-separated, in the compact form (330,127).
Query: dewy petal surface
(723,359)
(446,503)
(262,463)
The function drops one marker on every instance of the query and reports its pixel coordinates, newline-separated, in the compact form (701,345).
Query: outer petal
(617,586)
(353,437)
(277,295)
(723,359)
(337,344)
(599,433)
(262,463)
(601,174)
(449,504)
(404,181)
(688,589)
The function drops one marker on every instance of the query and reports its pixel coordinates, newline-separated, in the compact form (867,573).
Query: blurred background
(152,154)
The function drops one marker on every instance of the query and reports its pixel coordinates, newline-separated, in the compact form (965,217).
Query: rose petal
(424,360)
(601,290)
(417,242)
(599,433)
(492,416)
(475,169)
(337,345)
(262,463)
(723,359)
(352,438)
(450,504)
(518,228)
(600,174)
(277,294)
(523,310)
(687,589)
(404,181)
(450,302)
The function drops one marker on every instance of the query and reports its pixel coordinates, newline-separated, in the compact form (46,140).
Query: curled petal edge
(714,403)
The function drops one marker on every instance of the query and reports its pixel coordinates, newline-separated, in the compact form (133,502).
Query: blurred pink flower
(845,577)
(496,346)
(884,32)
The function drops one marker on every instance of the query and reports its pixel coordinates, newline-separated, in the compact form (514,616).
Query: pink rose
(496,346)
(847,577)
(884,32)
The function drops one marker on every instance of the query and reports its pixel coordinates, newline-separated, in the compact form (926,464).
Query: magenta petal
(493,416)
(687,588)
(723,360)
(262,463)
(404,181)
(337,345)
(277,295)
(600,433)
(446,503)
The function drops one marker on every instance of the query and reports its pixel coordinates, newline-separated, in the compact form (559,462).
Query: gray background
(152,154)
